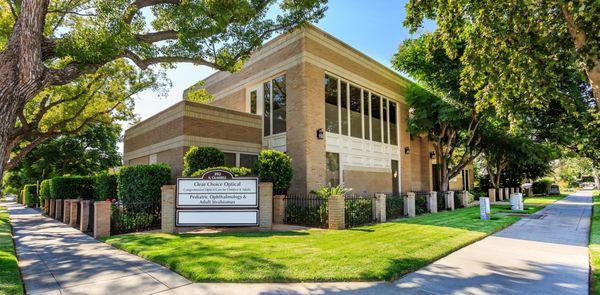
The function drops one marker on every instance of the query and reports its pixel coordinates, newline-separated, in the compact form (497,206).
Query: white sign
(217,218)
(217,193)
(484,208)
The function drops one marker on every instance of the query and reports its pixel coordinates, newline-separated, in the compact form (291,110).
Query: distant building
(337,113)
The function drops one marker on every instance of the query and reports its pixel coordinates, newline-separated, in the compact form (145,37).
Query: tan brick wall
(405,159)
(234,101)
(168,209)
(138,161)
(305,114)
(367,182)
(174,158)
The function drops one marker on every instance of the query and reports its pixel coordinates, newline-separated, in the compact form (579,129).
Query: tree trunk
(594,78)
(597,181)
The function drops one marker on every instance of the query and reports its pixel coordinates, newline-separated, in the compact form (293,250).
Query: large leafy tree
(46,43)
(444,113)
(92,151)
(518,49)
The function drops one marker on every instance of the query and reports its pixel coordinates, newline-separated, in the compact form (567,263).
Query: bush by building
(30,195)
(236,171)
(142,183)
(276,167)
(44,190)
(198,158)
(106,186)
(542,186)
(72,187)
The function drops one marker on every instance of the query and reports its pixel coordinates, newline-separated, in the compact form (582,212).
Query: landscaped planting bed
(594,246)
(382,251)
(10,278)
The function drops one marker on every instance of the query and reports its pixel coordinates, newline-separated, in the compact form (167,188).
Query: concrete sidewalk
(57,259)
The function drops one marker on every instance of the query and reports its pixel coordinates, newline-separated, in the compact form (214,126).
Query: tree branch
(139,4)
(157,36)
(145,63)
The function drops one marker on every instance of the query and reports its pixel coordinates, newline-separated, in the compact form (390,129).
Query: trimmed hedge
(236,171)
(197,158)
(276,167)
(142,183)
(106,186)
(72,187)
(541,186)
(45,189)
(30,195)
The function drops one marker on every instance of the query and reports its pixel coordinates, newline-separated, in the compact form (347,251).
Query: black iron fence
(458,203)
(441,200)
(127,217)
(421,202)
(359,210)
(394,206)
(310,210)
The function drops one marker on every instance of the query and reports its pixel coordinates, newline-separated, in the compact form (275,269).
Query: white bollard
(484,208)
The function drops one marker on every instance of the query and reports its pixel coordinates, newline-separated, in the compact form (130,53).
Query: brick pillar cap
(167,186)
(266,184)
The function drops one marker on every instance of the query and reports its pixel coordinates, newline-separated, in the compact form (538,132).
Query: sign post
(217,198)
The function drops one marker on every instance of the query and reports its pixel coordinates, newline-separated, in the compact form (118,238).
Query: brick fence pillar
(101,219)
(265,206)
(52,209)
(84,215)
(380,207)
(167,222)
(66,211)
(464,198)
(278,209)
(432,202)
(530,191)
(58,209)
(506,193)
(337,212)
(492,195)
(500,194)
(409,205)
(73,214)
(449,200)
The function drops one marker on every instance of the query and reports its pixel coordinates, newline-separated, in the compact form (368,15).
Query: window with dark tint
(385,120)
(344,107)
(267,108)
(230,159)
(333,168)
(355,112)
(253,99)
(248,160)
(376,115)
(332,120)
(279,102)
(393,123)
(366,117)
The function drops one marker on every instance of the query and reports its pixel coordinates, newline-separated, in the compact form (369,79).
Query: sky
(373,27)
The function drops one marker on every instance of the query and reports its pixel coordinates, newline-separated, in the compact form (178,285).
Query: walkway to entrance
(57,259)
(548,255)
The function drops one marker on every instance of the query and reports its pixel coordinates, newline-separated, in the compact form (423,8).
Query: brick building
(337,113)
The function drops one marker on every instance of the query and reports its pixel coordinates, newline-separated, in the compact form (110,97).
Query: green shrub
(106,186)
(542,186)
(236,171)
(198,158)
(276,167)
(45,189)
(30,195)
(139,185)
(72,187)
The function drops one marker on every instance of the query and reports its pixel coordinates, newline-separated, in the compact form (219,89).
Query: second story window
(274,106)
(253,102)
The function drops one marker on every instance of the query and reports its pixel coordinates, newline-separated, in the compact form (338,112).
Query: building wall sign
(217,198)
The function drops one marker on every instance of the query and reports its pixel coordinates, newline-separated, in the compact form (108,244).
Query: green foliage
(92,151)
(198,93)
(276,167)
(72,187)
(106,186)
(542,186)
(236,171)
(142,183)
(327,191)
(30,195)
(45,189)
(198,158)
(358,211)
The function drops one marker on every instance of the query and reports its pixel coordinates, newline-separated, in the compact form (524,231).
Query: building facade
(340,116)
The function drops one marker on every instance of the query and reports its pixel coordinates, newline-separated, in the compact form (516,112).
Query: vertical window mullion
(362,111)
(389,137)
(339,97)
(271,106)
(348,107)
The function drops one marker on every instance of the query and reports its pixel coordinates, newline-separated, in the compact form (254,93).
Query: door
(435,174)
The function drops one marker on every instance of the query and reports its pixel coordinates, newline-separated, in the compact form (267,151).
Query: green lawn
(595,245)
(543,200)
(378,252)
(10,277)
(526,209)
